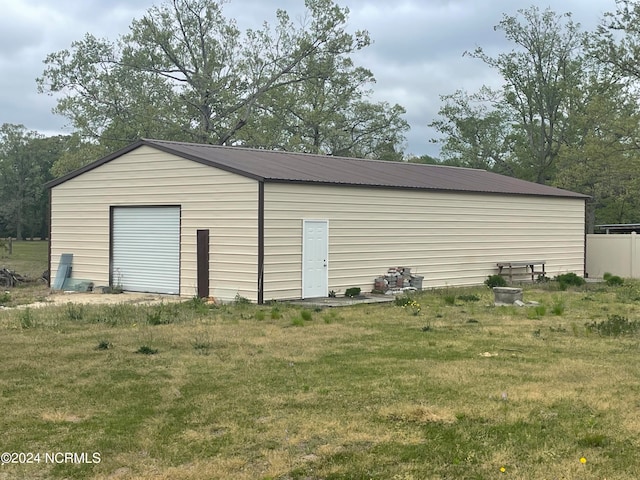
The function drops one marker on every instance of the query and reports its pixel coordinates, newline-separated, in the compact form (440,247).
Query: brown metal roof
(275,166)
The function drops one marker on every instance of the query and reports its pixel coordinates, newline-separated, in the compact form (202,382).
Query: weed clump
(569,279)
(75,312)
(239,300)
(352,292)
(558,307)
(612,280)
(202,345)
(147,350)
(5,298)
(469,298)
(614,326)
(104,345)
(330,317)
(26,319)
(538,312)
(495,281)
(403,300)
(163,314)
(413,307)
(306,315)
(197,304)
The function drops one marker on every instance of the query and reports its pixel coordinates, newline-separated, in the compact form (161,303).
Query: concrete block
(507,295)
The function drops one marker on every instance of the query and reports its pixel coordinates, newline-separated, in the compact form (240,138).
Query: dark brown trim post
(49,241)
(202,255)
(260,243)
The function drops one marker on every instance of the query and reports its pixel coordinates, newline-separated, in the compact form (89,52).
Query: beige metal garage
(276,225)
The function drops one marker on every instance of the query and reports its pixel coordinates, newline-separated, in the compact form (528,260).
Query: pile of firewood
(9,278)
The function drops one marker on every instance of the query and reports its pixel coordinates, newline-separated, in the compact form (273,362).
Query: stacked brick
(398,279)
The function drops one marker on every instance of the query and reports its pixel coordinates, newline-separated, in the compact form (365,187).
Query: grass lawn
(446,387)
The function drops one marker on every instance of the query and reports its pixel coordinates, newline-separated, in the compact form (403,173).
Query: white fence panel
(615,254)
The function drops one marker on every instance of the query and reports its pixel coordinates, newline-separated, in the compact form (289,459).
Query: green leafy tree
(476,131)
(329,113)
(567,114)
(541,75)
(25,161)
(617,40)
(185,72)
(76,153)
(602,158)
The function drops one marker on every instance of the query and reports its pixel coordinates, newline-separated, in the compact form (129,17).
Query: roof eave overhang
(578,196)
(57,181)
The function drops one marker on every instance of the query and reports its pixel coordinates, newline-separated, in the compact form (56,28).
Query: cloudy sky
(416,55)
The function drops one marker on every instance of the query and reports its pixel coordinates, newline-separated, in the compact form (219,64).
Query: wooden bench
(532,267)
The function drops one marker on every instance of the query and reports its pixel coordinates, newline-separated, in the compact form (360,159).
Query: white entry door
(315,259)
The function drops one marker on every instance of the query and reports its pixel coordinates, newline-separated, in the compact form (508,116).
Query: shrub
(495,281)
(569,280)
(614,280)
(352,292)
(614,326)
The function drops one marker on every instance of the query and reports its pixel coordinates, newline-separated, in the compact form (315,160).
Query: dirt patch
(62,298)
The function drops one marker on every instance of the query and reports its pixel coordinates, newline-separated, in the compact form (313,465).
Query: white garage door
(146,249)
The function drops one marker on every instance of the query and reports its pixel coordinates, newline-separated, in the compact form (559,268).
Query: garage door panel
(146,249)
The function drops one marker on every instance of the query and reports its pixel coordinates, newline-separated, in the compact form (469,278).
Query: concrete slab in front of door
(343,301)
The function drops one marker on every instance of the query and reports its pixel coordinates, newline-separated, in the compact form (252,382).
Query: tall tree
(25,160)
(185,72)
(476,131)
(602,157)
(541,73)
(617,40)
(328,113)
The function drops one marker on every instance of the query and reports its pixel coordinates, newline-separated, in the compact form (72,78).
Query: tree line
(566,115)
